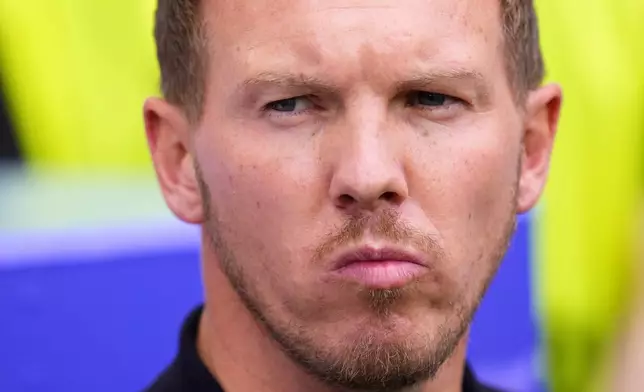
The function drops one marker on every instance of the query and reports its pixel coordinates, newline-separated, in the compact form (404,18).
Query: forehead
(353,38)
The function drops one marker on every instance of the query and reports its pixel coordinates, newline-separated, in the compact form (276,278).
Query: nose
(368,172)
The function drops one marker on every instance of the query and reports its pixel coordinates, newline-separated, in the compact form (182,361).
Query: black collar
(188,373)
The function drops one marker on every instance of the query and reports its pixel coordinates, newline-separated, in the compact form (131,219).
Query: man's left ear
(541,120)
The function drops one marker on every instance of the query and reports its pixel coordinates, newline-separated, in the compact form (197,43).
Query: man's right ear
(168,134)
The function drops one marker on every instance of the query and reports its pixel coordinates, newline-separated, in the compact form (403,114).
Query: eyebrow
(419,81)
(422,80)
(289,80)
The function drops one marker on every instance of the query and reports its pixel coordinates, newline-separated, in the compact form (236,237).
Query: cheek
(466,190)
(262,199)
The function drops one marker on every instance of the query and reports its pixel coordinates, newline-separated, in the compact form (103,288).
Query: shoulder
(187,372)
(472,384)
(168,381)
(484,388)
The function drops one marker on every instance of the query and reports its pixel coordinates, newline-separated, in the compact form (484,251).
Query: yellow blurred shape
(594,48)
(76,73)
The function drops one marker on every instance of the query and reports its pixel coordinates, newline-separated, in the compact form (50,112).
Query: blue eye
(284,105)
(425,98)
(431,99)
(290,105)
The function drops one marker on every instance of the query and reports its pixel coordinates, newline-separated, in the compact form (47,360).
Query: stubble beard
(367,363)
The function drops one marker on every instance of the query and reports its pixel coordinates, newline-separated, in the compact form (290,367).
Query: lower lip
(386,274)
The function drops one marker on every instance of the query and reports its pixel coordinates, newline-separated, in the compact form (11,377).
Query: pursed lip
(377,254)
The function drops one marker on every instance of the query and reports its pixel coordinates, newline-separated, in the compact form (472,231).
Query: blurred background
(96,275)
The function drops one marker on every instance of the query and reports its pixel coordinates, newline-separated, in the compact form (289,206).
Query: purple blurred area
(97,306)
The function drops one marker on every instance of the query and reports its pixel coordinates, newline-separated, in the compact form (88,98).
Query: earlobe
(168,135)
(540,127)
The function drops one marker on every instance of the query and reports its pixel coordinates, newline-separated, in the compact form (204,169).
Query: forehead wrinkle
(299,48)
(421,72)
(356,7)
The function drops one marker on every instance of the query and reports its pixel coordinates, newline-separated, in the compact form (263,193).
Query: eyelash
(448,102)
(276,113)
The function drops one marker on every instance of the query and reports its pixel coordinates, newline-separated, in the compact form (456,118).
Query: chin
(397,352)
(395,326)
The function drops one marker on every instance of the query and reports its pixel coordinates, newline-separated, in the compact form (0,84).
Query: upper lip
(373,253)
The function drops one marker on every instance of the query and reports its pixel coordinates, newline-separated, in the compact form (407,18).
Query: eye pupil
(431,99)
(284,105)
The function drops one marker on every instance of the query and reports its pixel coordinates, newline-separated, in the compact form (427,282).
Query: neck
(240,353)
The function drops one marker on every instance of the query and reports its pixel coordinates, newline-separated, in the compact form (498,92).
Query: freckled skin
(360,155)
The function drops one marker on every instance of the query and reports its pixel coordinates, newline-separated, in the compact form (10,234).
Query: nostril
(346,200)
(389,196)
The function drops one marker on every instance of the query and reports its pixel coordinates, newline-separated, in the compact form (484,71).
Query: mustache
(386,226)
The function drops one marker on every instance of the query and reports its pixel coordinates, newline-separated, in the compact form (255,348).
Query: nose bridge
(366,135)
(367,168)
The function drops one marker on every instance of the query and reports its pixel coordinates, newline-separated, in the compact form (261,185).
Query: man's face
(361,164)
